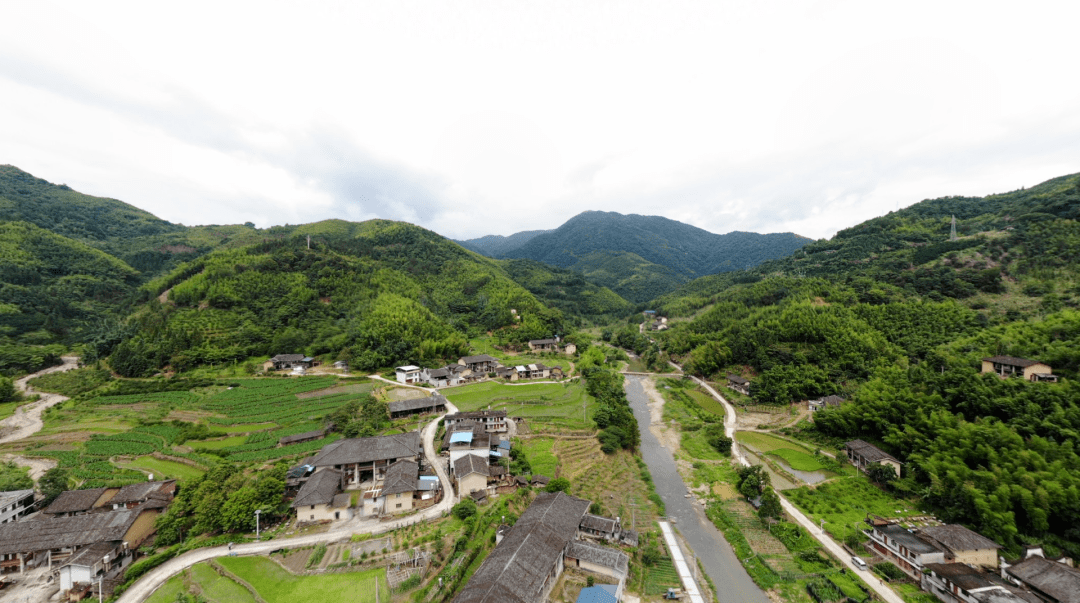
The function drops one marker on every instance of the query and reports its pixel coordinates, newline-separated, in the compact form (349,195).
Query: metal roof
(407,368)
(459,437)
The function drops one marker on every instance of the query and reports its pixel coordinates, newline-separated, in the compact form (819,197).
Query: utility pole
(257,512)
(309,241)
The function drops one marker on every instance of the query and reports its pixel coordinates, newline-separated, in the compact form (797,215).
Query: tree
(770,505)
(880,473)
(52,484)
(714,435)
(7,390)
(559,484)
(14,477)
(752,480)
(464,509)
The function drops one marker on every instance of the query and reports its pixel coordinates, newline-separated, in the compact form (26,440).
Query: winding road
(27,418)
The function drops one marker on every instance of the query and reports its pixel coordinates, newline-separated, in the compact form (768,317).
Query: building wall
(141,529)
(405,499)
(71,574)
(983,557)
(318,513)
(1035,368)
(895,465)
(470,483)
(600,569)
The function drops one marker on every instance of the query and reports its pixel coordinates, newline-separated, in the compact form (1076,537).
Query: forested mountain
(641,257)
(568,291)
(895,317)
(495,246)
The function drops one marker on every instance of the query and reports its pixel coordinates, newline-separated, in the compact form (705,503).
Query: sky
(475,118)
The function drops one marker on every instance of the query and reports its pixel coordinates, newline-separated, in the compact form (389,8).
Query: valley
(132,348)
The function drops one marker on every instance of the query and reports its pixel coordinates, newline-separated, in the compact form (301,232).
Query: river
(732,582)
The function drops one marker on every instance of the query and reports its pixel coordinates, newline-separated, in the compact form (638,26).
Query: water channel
(733,584)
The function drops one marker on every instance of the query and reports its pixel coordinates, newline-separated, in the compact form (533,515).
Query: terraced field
(545,405)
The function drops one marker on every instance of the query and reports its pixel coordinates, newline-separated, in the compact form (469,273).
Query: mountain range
(638,257)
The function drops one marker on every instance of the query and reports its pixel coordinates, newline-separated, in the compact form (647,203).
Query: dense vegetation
(568,291)
(495,246)
(895,317)
(640,257)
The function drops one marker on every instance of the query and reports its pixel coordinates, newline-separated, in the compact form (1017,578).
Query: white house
(407,374)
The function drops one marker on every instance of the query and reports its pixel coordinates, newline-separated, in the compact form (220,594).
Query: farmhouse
(317,497)
(89,563)
(78,502)
(131,496)
(447,376)
(529,557)
(961,545)
(398,488)
(956,583)
(737,383)
(479,364)
(471,473)
(1052,581)
(367,459)
(289,361)
(834,401)
(492,420)
(601,527)
(14,504)
(402,408)
(901,546)
(1008,366)
(863,455)
(30,544)
(407,374)
(544,345)
(468,437)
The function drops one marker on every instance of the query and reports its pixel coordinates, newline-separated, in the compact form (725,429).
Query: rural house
(834,401)
(901,546)
(447,376)
(962,545)
(407,374)
(88,564)
(863,454)
(14,504)
(133,495)
(289,361)
(959,583)
(544,345)
(435,403)
(492,420)
(1008,366)
(603,528)
(78,502)
(471,473)
(737,383)
(1052,581)
(479,364)
(367,459)
(297,438)
(470,437)
(320,496)
(398,488)
(530,556)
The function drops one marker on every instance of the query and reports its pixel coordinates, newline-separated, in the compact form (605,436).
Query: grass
(541,457)
(798,460)
(694,444)
(913,594)
(6,410)
(276,585)
(846,501)
(163,469)
(769,443)
(168,591)
(217,588)
(218,443)
(246,428)
(553,404)
(706,401)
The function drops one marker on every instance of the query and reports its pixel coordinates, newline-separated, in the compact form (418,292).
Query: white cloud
(472,118)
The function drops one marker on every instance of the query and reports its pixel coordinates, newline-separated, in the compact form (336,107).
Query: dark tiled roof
(542,341)
(1049,577)
(479,358)
(140,492)
(516,571)
(998,595)
(964,576)
(288,358)
(439,373)
(302,437)
(541,479)
(61,532)
(417,404)
(470,463)
(737,379)
(320,489)
(958,538)
(341,501)
(598,523)
(600,555)
(400,478)
(365,450)
(74,501)
(89,555)
(1012,361)
(832,400)
(906,539)
(869,452)
(478,495)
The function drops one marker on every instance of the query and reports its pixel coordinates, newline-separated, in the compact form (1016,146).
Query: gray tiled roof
(479,358)
(61,532)
(600,555)
(470,463)
(13,496)
(957,538)
(518,568)
(1012,361)
(906,539)
(366,450)
(140,492)
(320,489)
(288,358)
(598,523)
(400,478)
(964,576)
(869,452)
(74,501)
(416,403)
(737,379)
(1049,577)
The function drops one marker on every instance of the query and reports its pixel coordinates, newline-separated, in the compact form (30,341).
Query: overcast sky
(474,118)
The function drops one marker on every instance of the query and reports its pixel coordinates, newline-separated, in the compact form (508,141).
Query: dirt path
(38,467)
(27,419)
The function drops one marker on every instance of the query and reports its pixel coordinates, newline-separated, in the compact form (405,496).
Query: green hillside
(376,293)
(495,246)
(895,317)
(568,291)
(634,277)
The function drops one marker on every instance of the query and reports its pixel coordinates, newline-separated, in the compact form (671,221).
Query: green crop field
(706,401)
(798,460)
(845,501)
(218,443)
(694,444)
(276,585)
(556,404)
(766,443)
(541,456)
(163,469)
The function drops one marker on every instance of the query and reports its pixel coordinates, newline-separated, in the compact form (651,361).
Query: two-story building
(494,421)
(15,504)
(479,364)
(903,547)
(407,374)
(367,459)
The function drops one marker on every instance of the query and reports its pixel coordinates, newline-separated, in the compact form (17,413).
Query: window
(313,517)
(312,507)
(337,514)
(398,505)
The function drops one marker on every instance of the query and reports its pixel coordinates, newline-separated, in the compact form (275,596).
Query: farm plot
(163,469)
(554,405)
(845,502)
(541,458)
(617,483)
(276,585)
